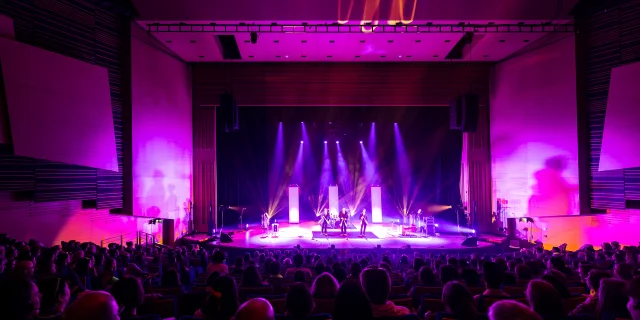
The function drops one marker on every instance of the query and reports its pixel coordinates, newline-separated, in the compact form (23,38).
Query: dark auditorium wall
(43,199)
(338,84)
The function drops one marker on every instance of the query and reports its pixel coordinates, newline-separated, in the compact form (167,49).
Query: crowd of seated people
(84,281)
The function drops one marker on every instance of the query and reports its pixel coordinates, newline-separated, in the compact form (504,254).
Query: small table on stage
(274,229)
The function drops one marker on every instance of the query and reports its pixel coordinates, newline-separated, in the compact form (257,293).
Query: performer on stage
(363,222)
(413,218)
(265,221)
(324,221)
(343,221)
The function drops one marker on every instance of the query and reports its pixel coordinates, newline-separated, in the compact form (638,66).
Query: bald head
(92,305)
(255,309)
(511,310)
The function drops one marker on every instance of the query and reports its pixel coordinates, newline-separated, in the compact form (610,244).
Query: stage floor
(303,234)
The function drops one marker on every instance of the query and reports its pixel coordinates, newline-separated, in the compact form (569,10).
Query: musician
(363,222)
(265,221)
(343,216)
(325,221)
(413,218)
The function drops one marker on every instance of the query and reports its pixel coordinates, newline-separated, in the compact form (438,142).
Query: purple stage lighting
(360,142)
(301,141)
(337,141)
(325,142)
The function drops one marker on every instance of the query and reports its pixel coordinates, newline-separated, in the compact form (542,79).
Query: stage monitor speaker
(469,105)
(228,112)
(511,228)
(455,114)
(378,247)
(225,238)
(333,247)
(470,242)
(168,236)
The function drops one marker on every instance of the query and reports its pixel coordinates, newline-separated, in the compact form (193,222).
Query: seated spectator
(54,297)
(251,278)
(255,309)
(237,266)
(298,303)
(492,275)
(217,263)
(612,298)
(634,298)
(356,268)
(92,305)
(557,284)
(319,268)
(623,271)
(511,310)
(299,276)
(411,275)
(222,303)
(377,287)
(470,277)
(448,273)
(324,286)
(19,299)
(557,263)
(351,302)
(170,279)
(298,260)
(274,270)
(340,274)
(544,299)
(129,296)
(590,305)
(523,272)
(458,301)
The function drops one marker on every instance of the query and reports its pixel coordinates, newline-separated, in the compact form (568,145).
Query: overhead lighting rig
(365,28)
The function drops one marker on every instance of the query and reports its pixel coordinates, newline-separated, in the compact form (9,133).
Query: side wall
(45,200)
(162,144)
(534,137)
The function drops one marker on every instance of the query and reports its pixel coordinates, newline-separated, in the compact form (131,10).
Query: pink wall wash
(534,142)
(161,133)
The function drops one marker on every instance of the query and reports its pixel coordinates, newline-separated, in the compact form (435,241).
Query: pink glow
(162,134)
(59,107)
(621,136)
(534,132)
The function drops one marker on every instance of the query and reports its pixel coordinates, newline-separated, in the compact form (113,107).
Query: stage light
(325,142)
(473,231)
(360,142)
(337,141)
(301,141)
(436,225)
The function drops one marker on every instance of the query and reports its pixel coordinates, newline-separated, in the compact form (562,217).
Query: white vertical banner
(376,205)
(294,205)
(334,205)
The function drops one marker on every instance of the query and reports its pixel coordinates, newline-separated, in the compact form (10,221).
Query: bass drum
(337,224)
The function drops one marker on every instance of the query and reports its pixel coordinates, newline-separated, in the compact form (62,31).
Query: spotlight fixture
(301,141)
(360,142)
(325,142)
(436,225)
(254,37)
(473,231)
(337,142)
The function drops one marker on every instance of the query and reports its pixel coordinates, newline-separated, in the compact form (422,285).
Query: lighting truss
(366,28)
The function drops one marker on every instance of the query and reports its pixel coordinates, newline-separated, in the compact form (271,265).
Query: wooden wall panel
(339,84)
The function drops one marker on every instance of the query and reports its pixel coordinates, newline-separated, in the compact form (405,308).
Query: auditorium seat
(432,305)
(243,292)
(514,290)
(485,302)
(406,302)
(323,306)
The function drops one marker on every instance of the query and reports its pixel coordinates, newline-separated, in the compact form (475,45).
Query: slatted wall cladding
(88,33)
(612,39)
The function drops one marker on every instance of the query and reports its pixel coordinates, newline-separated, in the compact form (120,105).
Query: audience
(255,309)
(458,301)
(298,302)
(590,305)
(511,310)
(324,287)
(351,302)
(377,287)
(545,300)
(612,299)
(633,306)
(217,263)
(54,297)
(92,305)
(492,275)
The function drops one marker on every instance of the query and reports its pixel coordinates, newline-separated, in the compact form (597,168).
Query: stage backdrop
(409,151)
(534,138)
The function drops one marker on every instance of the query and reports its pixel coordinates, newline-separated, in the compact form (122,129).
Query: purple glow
(325,142)
(360,142)
(372,137)
(337,142)
(301,141)
(404,168)
(534,156)
(277,180)
(369,166)
(326,176)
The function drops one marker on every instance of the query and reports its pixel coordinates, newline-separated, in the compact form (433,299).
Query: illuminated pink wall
(534,131)
(161,132)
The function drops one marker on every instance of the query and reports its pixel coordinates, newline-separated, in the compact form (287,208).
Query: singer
(363,222)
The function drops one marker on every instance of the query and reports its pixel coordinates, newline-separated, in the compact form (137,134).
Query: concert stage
(302,234)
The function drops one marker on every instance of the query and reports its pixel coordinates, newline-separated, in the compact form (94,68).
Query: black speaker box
(511,228)
(225,238)
(470,242)
(168,236)
(228,112)
(469,103)
(455,114)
